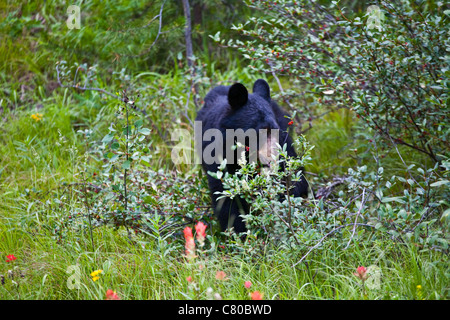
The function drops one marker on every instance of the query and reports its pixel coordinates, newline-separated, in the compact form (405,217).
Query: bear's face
(253,112)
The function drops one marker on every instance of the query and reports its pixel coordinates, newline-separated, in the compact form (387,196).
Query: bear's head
(252,115)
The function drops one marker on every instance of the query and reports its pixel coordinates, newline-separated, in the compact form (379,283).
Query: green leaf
(223,165)
(109,196)
(108,138)
(144,131)
(390,199)
(126,164)
(439,183)
(146,158)
(446,215)
(139,123)
(150,200)
(113,158)
(115,146)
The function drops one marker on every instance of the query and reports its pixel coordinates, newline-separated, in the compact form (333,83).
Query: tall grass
(34,166)
(142,272)
(39,158)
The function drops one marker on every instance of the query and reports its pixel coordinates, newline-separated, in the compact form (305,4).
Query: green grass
(33,166)
(38,157)
(333,138)
(144,272)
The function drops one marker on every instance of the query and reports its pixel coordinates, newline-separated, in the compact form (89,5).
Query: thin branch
(278,81)
(289,225)
(186,107)
(157,35)
(325,192)
(407,168)
(84,88)
(187,33)
(189,49)
(325,236)
(363,200)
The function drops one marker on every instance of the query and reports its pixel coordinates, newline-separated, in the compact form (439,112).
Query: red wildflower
(361,273)
(220,275)
(247,148)
(111,295)
(189,279)
(10,258)
(188,233)
(200,228)
(247,284)
(256,295)
(190,244)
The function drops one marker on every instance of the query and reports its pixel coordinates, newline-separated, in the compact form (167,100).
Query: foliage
(364,201)
(284,220)
(115,186)
(120,36)
(391,69)
(416,208)
(87,182)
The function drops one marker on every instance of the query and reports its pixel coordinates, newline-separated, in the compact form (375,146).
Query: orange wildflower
(111,295)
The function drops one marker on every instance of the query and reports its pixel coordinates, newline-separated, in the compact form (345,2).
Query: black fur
(232,107)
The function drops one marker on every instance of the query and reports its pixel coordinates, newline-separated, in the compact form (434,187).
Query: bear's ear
(262,89)
(237,96)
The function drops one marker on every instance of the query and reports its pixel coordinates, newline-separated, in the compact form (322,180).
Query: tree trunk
(187,32)
(189,50)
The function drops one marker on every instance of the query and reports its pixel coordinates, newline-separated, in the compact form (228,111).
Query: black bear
(232,108)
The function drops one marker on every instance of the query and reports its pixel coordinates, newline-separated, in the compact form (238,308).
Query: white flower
(242,161)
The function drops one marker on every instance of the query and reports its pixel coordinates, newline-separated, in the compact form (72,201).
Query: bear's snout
(268,151)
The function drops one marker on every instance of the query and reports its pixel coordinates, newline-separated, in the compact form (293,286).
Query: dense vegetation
(91,199)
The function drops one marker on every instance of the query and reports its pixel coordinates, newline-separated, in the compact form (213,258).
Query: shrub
(365,201)
(390,65)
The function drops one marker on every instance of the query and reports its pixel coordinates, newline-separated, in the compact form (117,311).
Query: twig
(189,49)
(407,168)
(84,88)
(328,234)
(187,32)
(157,36)
(186,107)
(356,219)
(278,81)
(325,192)
(126,101)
